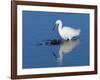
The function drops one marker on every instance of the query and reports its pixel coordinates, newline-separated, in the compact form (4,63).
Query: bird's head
(57,23)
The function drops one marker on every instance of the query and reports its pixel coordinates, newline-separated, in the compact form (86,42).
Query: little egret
(66,33)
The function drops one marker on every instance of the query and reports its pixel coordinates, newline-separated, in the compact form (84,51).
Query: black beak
(54,27)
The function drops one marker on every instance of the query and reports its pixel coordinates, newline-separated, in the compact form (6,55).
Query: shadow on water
(65,47)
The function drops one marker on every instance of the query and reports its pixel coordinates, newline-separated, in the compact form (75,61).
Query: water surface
(38,50)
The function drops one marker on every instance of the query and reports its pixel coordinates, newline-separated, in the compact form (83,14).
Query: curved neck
(60,26)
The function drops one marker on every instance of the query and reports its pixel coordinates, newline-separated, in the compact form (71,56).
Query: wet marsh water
(44,48)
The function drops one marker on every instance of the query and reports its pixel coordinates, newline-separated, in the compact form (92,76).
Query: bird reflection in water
(65,48)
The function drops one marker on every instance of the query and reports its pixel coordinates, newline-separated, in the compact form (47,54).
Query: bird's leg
(70,38)
(67,39)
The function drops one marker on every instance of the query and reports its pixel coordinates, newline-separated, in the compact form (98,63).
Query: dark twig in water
(55,42)
(50,42)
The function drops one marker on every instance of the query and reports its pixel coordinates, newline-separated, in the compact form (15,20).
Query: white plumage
(66,32)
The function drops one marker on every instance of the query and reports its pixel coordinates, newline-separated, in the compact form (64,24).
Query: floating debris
(55,42)
(49,42)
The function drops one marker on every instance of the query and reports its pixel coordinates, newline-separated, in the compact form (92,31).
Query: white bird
(66,32)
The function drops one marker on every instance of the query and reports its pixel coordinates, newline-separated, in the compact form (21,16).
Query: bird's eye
(57,25)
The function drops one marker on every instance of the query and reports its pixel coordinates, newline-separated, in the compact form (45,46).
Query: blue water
(38,35)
